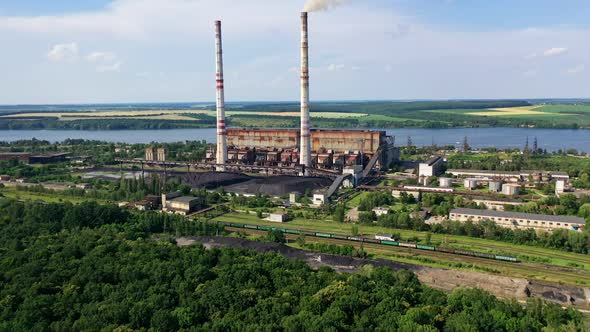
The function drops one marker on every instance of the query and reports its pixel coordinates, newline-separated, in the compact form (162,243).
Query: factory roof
(60,154)
(518,215)
(478,171)
(432,160)
(184,199)
(14,153)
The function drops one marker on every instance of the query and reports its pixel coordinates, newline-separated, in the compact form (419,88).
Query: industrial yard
(173,165)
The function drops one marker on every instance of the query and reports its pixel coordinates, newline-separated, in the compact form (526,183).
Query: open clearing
(510,111)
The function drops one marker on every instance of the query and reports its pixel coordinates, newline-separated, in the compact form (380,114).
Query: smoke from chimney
(317,5)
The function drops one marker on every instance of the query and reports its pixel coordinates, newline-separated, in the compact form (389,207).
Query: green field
(44,197)
(558,266)
(368,114)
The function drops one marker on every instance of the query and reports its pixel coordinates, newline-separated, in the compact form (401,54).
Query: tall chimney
(305,156)
(221,131)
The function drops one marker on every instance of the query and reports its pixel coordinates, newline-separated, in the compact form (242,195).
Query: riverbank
(501,138)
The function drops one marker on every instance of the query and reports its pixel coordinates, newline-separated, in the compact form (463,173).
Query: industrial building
(20,156)
(34,159)
(496,203)
(331,149)
(510,189)
(516,220)
(304,147)
(153,154)
(532,176)
(184,205)
(433,167)
(278,217)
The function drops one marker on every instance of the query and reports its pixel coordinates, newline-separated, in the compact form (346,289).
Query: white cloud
(176,37)
(105,61)
(97,57)
(555,51)
(335,67)
(113,67)
(576,70)
(64,52)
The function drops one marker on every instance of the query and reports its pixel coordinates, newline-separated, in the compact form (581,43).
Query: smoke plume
(316,5)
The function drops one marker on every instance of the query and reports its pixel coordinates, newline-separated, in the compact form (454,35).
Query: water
(550,139)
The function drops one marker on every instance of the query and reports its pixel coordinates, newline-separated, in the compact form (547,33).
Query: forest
(92,267)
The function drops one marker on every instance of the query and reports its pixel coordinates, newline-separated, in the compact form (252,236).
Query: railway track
(525,270)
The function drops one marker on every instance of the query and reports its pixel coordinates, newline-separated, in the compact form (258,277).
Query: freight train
(375,241)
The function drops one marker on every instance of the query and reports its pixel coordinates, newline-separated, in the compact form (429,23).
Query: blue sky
(72,51)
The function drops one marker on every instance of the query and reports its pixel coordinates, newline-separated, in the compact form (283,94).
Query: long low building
(496,203)
(516,220)
(522,175)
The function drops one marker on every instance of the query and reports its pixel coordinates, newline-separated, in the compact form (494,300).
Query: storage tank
(495,186)
(510,189)
(470,184)
(445,182)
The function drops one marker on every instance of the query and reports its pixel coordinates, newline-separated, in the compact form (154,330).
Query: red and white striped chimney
(221,130)
(305,154)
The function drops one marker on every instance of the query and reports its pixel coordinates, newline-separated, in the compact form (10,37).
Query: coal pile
(212,180)
(279,185)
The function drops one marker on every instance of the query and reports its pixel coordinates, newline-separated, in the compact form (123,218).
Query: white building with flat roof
(516,220)
(432,167)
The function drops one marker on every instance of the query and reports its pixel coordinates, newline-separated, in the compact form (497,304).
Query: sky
(119,51)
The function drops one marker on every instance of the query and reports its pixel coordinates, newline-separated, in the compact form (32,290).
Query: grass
(45,197)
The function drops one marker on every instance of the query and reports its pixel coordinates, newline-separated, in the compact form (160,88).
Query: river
(550,139)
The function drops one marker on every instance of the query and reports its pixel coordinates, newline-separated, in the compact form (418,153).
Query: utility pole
(466,147)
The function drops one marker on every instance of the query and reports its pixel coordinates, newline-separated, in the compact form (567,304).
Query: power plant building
(331,148)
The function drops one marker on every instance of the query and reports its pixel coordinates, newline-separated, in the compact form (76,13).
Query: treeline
(204,121)
(387,107)
(100,272)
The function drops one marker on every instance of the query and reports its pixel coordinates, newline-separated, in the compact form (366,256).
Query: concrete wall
(343,140)
(263,138)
